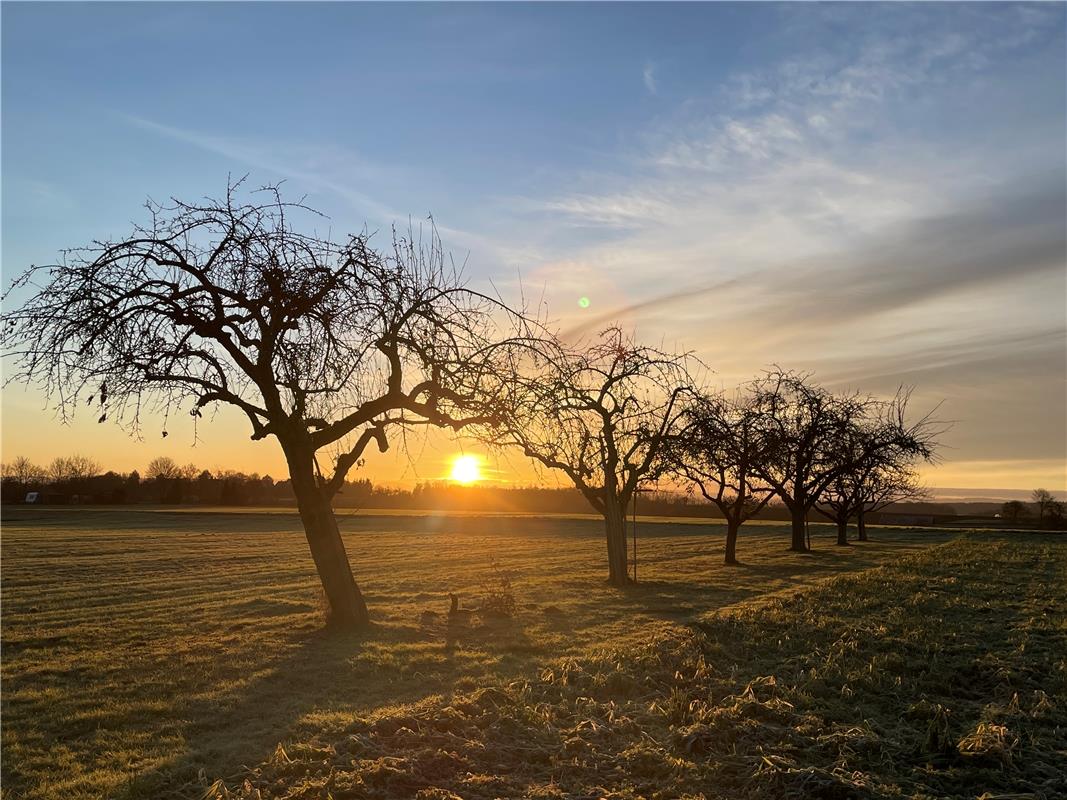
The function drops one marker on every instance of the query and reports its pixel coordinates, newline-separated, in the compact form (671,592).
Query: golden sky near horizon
(223,443)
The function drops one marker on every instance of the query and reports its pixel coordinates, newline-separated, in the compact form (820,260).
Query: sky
(873,193)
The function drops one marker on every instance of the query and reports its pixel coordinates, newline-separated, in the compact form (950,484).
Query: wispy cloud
(317,168)
(262,156)
(649,77)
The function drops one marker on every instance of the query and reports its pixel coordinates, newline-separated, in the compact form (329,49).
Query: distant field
(146,653)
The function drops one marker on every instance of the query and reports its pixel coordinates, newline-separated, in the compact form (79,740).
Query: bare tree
(800,423)
(326,346)
(805,425)
(886,483)
(1014,510)
(73,469)
(170,478)
(873,470)
(717,452)
(840,500)
(23,472)
(876,483)
(1045,502)
(162,468)
(601,414)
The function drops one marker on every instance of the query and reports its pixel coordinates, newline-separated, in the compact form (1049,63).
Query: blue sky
(872,192)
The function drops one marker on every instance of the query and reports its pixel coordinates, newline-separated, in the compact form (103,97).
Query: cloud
(1016,231)
(613,211)
(794,187)
(265,157)
(649,77)
(833,212)
(324,168)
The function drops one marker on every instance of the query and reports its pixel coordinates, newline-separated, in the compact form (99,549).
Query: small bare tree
(1045,502)
(717,452)
(882,485)
(838,503)
(1014,510)
(601,414)
(843,496)
(325,346)
(22,472)
(74,470)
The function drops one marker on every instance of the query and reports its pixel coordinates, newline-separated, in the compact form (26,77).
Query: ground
(147,653)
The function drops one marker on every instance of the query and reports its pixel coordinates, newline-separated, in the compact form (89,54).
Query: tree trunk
(800,528)
(732,527)
(861,526)
(842,531)
(347,606)
(615,528)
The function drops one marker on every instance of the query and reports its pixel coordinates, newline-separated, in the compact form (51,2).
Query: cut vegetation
(142,657)
(942,676)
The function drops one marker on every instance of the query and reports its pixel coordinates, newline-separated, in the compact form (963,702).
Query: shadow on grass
(319,680)
(326,678)
(728,584)
(316,672)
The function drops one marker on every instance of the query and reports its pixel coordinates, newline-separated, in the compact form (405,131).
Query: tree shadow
(319,680)
(326,678)
(729,584)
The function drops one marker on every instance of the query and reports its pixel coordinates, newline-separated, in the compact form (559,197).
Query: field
(149,653)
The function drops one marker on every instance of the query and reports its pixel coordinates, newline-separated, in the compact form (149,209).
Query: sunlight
(466,470)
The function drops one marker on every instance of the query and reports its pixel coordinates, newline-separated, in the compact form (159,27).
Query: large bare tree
(324,345)
(717,452)
(601,413)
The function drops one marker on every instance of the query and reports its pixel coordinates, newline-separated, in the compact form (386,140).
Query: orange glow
(466,470)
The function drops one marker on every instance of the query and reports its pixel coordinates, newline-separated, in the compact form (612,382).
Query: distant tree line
(1044,510)
(81,480)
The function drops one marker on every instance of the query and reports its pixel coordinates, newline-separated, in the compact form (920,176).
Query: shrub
(498,595)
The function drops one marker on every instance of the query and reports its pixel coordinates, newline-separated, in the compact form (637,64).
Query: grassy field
(147,653)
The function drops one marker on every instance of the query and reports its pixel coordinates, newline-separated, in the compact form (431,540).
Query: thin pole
(635,534)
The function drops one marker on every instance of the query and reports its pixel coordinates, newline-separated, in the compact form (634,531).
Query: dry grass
(146,653)
(942,676)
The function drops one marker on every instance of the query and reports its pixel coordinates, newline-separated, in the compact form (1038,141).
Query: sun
(466,470)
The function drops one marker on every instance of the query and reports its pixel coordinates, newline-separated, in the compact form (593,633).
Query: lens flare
(583,302)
